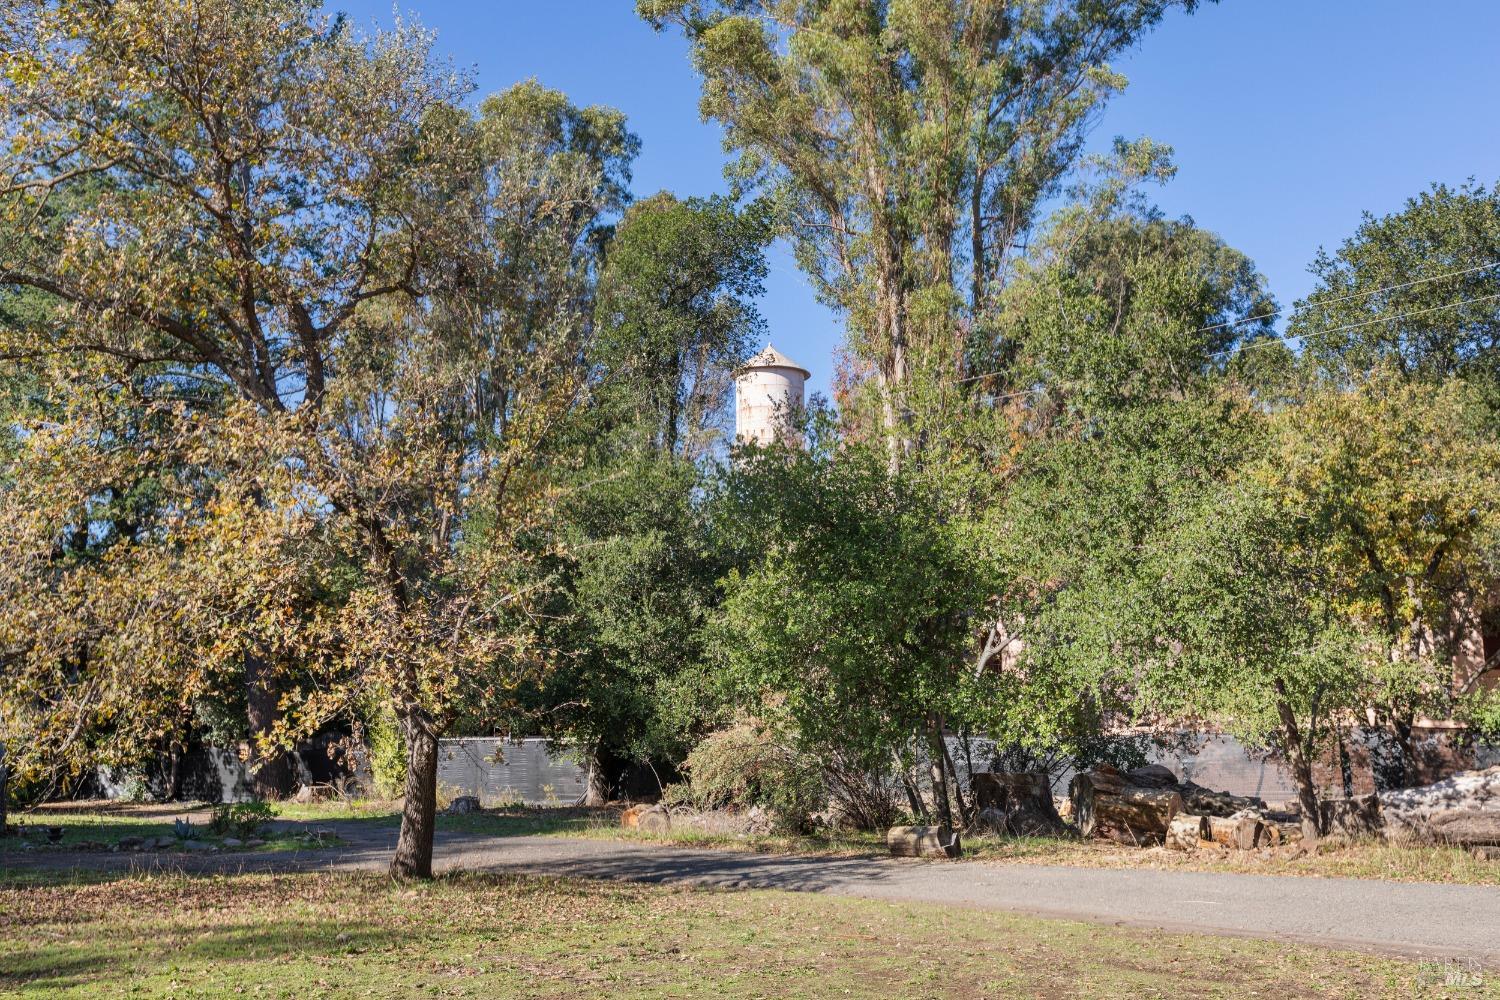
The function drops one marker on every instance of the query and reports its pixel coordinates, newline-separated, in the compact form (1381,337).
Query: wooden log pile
(1463,810)
(1149,805)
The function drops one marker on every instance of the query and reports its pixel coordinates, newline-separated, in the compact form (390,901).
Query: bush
(240,819)
(387,753)
(746,765)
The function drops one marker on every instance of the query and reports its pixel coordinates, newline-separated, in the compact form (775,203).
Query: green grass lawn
(101,826)
(489,936)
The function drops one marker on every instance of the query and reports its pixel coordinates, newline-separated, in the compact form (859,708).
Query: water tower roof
(771,358)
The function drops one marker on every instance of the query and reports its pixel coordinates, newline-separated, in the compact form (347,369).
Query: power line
(1300,337)
(1352,295)
(1320,304)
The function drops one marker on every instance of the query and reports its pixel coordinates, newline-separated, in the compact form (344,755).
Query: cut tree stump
(654,820)
(1356,817)
(1105,805)
(1018,803)
(1185,831)
(923,842)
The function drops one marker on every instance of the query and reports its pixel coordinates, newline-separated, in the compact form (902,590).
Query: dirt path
(1435,921)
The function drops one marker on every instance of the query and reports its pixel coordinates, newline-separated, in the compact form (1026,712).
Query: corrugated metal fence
(500,771)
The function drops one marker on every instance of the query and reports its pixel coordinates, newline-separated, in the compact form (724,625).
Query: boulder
(463,805)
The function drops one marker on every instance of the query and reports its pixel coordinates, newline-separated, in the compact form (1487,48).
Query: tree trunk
(964,814)
(1307,791)
(4,789)
(413,857)
(936,754)
(270,774)
(596,789)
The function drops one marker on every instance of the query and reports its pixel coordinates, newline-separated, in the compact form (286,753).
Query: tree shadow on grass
(121,955)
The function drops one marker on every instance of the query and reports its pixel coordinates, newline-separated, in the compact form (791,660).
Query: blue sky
(1289,117)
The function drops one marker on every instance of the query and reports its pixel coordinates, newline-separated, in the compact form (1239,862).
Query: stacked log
(1125,808)
(1019,804)
(1463,810)
(1148,805)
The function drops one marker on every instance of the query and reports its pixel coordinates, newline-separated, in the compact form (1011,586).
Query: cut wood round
(1185,831)
(923,842)
(1239,833)
(1104,806)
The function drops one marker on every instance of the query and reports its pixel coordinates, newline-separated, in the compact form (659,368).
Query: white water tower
(768,393)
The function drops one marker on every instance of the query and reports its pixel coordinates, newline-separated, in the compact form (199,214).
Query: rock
(655,820)
(164,843)
(463,805)
(253,842)
(923,842)
(233,842)
(130,843)
(192,845)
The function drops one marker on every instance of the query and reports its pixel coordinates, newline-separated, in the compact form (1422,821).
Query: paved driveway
(1397,918)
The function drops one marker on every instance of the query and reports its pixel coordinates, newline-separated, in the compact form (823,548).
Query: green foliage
(751,764)
(675,316)
(856,622)
(1421,327)
(241,819)
(387,749)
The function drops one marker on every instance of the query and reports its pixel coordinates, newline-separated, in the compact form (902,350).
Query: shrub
(749,764)
(387,753)
(240,819)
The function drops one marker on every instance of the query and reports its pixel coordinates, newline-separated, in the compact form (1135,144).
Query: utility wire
(1282,340)
(1320,304)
